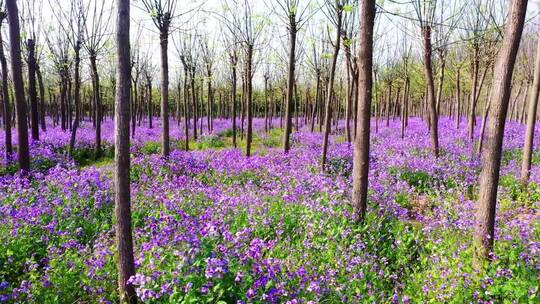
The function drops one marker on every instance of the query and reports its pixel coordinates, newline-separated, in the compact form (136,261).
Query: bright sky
(391,30)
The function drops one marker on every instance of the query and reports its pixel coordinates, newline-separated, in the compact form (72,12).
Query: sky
(203,18)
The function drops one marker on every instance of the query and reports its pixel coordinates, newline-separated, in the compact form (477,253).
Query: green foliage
(210,142)
(151,147)
(339,166)
(518,193)
(39,164)
(272,139)
(421,181)
(23,253)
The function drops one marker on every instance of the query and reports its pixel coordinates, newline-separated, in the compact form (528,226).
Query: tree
(32,90)
(531,120)
(491,153)
(31,44)
(233,59)
(5,91)
(365,83)
(477,22)
(124,241)
(18,85)
(208,54)
(74,31)
(161,13)
(247,28)
(94,43)
(335,10)
(425,11)
(294,18)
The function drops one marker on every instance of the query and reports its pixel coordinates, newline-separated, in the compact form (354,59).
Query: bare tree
(162,13)
(248,29)
(74,30)
(295,17)
(18,85)
(425,11)
(334,11)
(531,120)
(28,21)
(491,154)
(477,23)
(96,25)
(124,241)
(59,49)
(365,83)
(208,54)
(233,59)
(5,90)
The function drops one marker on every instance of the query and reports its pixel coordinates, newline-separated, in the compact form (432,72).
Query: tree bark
(77,97)
(365,82)
(491,154)
(194,102)
(426,33)
(531,120)
(233,97)
(290,83)
(18,85)
(458,97)
(124,241)
(330,88)
(97,104)
(149,89)
(41,99)
(5,94)
(249,89)
(164,93)
(32,92)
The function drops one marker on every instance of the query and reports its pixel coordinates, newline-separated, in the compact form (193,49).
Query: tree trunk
(348,102)
(97,104)
(164,93)
(404,113)
(483,128)
(491,154)
(265,103)
(32,91)
(290,83)
(210,101)
(149,89)
(365,82)
(233,97)
(41,99)
(316,101)
(63,100)
(194,103)
(249,91)
(442,57)
(5,94)
(75,125)
(186,110)
(330,89)
(531,120)
(134,98)
(458,97)
(472,104)
(124,241)
(18,85)
(426,33)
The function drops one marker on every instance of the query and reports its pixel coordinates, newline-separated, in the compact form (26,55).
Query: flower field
(213,226)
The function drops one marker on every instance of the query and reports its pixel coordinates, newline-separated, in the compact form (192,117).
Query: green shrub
(210,142)
(151,147)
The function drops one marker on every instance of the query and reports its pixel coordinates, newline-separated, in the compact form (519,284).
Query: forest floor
(213,226)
